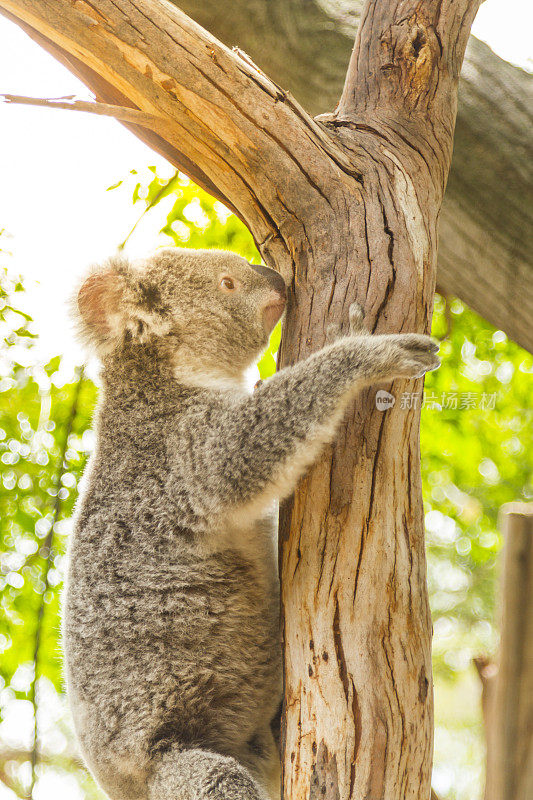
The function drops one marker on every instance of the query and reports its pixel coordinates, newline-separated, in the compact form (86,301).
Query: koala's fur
(171,629)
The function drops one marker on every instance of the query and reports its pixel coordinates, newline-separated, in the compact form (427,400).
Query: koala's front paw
(412,355)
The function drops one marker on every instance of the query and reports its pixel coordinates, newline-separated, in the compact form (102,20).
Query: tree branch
(110,95)
(213,106)
(71,104)
(403,53)
(403,71)
(486,222)
(354,601)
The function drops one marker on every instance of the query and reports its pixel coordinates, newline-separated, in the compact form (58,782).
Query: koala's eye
(227,284)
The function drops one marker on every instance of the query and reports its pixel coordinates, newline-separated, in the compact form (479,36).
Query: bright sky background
(56,165)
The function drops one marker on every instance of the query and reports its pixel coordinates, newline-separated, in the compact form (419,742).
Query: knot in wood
(410,55)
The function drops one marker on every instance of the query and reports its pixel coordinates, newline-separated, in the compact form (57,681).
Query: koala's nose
(273,277)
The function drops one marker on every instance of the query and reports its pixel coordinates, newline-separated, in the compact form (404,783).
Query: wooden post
(509,711)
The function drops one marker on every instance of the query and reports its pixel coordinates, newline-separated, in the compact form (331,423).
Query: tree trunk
(346,208)
(508,694)
(486,224)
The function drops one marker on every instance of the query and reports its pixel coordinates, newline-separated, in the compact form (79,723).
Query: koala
(171,610)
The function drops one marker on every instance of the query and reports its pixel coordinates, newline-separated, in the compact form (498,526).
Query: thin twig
(47,548)
(121,113)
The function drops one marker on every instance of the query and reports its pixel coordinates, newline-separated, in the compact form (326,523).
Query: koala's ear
(116,301)
(99,300)
(99,305)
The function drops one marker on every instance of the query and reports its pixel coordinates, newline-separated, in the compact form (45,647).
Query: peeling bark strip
(346,208)
(324,778)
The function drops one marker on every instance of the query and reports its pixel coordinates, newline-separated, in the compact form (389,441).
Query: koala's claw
(356,318)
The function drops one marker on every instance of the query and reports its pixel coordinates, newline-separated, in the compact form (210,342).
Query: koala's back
(171,636)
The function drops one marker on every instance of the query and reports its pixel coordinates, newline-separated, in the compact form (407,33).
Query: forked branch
(403,75)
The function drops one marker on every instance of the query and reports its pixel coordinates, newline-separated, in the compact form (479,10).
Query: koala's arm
(256,450)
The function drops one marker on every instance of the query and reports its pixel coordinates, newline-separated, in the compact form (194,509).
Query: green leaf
(52,366)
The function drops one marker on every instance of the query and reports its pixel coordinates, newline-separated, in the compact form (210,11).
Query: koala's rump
(166,648)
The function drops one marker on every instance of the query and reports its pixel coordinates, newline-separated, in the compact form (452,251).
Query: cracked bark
(346,209)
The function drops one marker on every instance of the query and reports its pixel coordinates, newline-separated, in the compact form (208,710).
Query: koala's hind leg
(201,775)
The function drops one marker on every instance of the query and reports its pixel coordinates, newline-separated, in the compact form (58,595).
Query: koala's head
(209,312)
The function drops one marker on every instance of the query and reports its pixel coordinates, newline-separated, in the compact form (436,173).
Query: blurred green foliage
(475,458)
(35,402)
(185,215)
(37,489)
(476,455)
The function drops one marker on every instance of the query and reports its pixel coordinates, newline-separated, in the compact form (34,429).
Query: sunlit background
(58,213)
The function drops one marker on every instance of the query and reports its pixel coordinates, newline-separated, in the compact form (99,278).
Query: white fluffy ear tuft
(99,306)
(116,303)
(99,301)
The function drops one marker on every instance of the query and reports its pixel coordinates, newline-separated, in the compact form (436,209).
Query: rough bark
(353,589)
(508,690)
(346,208)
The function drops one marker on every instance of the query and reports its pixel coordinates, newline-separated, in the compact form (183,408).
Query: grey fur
(171,610)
